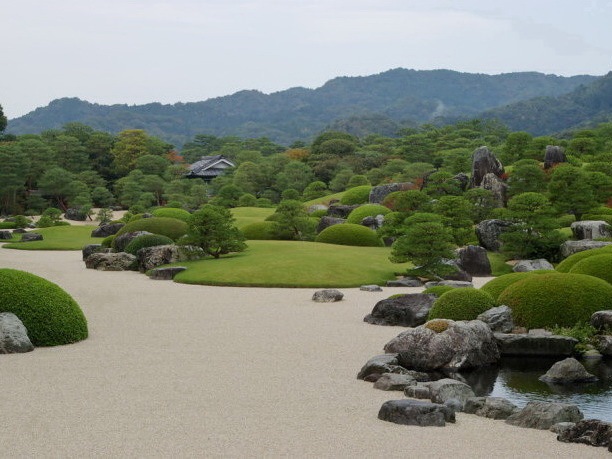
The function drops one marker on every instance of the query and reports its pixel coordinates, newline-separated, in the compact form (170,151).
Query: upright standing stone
(483,163)
(554,155)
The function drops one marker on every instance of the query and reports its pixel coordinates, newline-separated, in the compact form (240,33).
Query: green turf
(59,238)
(295,264)
(498,264)
(324,200)
(247,215)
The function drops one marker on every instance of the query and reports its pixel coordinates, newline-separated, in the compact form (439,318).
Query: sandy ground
(173,370)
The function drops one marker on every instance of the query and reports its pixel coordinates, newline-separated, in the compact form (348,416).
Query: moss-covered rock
(50,315)
(461,304)
(597,266)
(349,234)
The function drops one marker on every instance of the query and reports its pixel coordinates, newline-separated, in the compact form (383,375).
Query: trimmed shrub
(407,201)
(549,300)
(597,266)
(147,240)
(171,227)
(349,234)
(357,195)
(107,242)
(367,210)
(566,265)
(7,225)
(565,220)
(50,315)
(171,212)
(260,231)
(438,290)
(461,304)
(496,286)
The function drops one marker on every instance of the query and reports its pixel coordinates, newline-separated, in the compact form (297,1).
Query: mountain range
(381,104)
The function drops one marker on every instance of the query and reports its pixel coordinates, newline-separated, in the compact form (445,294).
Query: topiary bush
(349,234)
(597,265)
(259,231)
(50,315)
(461,304)
(357,195)
(367,210)
(495,286)
(179,214)
(439,290)
(147,240)
(107,242)
(171,227)
(549,300)
(569,262)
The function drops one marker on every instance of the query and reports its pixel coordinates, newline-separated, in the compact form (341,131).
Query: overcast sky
(140,51)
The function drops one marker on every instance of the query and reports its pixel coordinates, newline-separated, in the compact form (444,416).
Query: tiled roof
(200,168)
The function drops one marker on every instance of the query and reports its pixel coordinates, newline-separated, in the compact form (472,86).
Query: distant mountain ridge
(393,98)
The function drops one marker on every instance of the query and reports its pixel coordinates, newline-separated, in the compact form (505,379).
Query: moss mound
(461,304)
(349,234)
(260,231)
(367,210)
(566,265)
(50,315)
(147,240)
(597,266)
(170,227)
(171,212)
(357,195)
(437,325)
(496,286)
(439,290)
(549,300)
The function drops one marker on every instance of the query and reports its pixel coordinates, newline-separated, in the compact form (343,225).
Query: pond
(516,379)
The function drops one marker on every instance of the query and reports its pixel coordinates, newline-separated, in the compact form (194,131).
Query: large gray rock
(463,345)
(490,407)
(5,234)
(571,247)
(589,432)
(405,282)
(553,155)
(167,273)
(568,371)
(374,223)
(371,288)
(327,221)
(13,335)
(489,232)
(535,345)
(152,257)
(107,230)
(384,363)
(484,162)
(123,240)
(591,229)
(394,381)
(93,248)
(380,192)
(603,344)
(523,266)
(463,180)
(497,187)
(75,214)
(473,260)
(340,210)
(119,261)
(543,415)
(416,413)
(29,237)
(408,310)
(327,296)
(499,319)
(602,320)
(443,390)
(458,274)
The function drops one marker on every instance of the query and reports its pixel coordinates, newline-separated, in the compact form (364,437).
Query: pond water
(516,379)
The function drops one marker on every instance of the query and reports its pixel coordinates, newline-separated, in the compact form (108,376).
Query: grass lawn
(295,264)
(247,215)
(324,200)
(498,264)
(59,238)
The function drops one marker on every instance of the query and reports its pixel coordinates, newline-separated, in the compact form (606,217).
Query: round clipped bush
(549,300)
(495,286)
(107,242)
(259,231)
(461,304)
(597,266)
(50,315)
(357,195)
(349,234)
(367,210)
(170,212)
(566,265)
(147,240)
(171,227)
(439,290)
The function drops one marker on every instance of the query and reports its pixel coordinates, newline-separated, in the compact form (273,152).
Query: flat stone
(419,391)
(394,381)
(416,413)
(327,296)
(535,345)
(166,273)
(523,266)
(490,407)
(382,363)
(591,229)
(542,415)
(571,247)
(371,288)
(447,389)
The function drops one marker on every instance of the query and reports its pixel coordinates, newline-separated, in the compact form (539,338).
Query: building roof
(208,166)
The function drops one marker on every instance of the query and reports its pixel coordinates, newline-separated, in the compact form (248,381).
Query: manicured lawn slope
(324,200)
(295,264)
(247,215)
(59,238)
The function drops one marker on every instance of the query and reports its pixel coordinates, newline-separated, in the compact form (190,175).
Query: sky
(168,51)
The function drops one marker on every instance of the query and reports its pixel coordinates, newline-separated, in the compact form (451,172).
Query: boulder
(107,230)
(165,273)
(407,310)
(484,162)
(463,180)
(499,319)
(384,363)
(490,407)
(419,391)
(452,283)
(571,247)
(119,261)
(561,427)
(473,260)
(13,335)
(416,413)
(591,229)
(543,415)
(76,214)
(602,320)
(463,345)
(152,257)
(523,266)
(29,237)
(394,381)
(373,222)
(489,231)
(447,389)
(327,221)
(459,274)
(5,235)
(316,207)
(20,230)
(327,296)
(568,371)
(553,155)
(603,344)
(405,282)
(93,248)
(122,241)
(526,344)
(497,187)
(380,192)
(589,432)
(340,210)
(371,288)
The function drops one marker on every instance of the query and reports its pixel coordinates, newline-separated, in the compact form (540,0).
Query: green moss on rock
(461,304)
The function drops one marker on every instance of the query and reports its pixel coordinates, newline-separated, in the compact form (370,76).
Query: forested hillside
(379,104)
